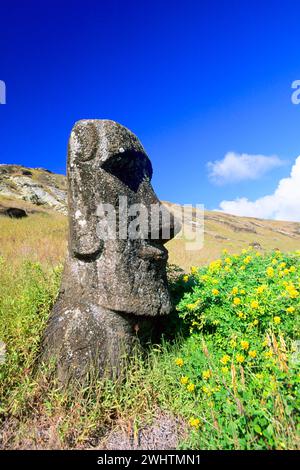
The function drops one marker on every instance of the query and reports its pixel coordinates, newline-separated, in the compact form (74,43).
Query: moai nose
(163,224)
(169,227)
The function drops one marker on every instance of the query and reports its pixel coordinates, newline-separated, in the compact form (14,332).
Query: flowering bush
(241,358)
(244,296)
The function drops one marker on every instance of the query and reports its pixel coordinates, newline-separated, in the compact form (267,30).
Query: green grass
(201,372)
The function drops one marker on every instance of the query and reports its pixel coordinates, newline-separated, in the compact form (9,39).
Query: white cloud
(283,204)
(235,167)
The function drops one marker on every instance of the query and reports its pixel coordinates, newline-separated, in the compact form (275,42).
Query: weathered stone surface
(112,289)
(13,212)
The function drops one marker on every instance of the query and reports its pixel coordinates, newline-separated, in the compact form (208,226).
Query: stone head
(118,227)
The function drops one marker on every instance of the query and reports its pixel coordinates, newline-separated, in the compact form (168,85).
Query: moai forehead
(106,144)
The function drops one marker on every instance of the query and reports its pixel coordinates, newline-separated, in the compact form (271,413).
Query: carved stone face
(125,274)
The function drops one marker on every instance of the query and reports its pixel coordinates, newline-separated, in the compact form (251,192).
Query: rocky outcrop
(36,186)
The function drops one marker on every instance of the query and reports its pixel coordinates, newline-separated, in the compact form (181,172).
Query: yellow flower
(204,278)
(225,251)
(270,271)
(232,343)
(195,423)
(269,353)
(215,265)
(247,260)
(185,278)
(261,289)
(254,304)
(225,359)
(215,281)
(194,270)
(228,261)
(190,306)
(184,380)
(243,267)
(206,374)
(237,301)
(215,292)
(255,322)
(241,315)
(282,265)
(274,261)
(290,309)
(289,287)
(190,388)
(235,291)
(244,251)
(244,345)
(276,320)
(227,269)
(252,354)
(293,293)
(242,291)
(240,358)
(292,269)
(179,362)
(225,370)
(206,389)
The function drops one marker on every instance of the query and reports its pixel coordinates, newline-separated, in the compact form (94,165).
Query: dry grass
(39,415)
(42,237)
(224,231)
(39,237)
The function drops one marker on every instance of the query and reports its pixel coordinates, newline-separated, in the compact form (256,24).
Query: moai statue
(114,284)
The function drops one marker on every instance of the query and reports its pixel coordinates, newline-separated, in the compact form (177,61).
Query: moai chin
(112,286)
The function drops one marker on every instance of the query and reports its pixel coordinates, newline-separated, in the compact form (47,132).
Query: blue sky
(194,80)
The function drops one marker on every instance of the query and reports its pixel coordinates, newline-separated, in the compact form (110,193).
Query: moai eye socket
(130,167)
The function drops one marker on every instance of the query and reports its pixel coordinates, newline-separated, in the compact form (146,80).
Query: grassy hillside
(43,236)
(225,231)
(226,374)
(46,223)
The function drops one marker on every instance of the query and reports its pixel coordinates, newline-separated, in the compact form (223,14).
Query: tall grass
(41,237)
(229,406)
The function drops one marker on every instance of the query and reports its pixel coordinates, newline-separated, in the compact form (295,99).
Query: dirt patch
(42,433)
(164,433)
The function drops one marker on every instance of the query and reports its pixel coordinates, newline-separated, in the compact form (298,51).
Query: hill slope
(37,186)
(43,195)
